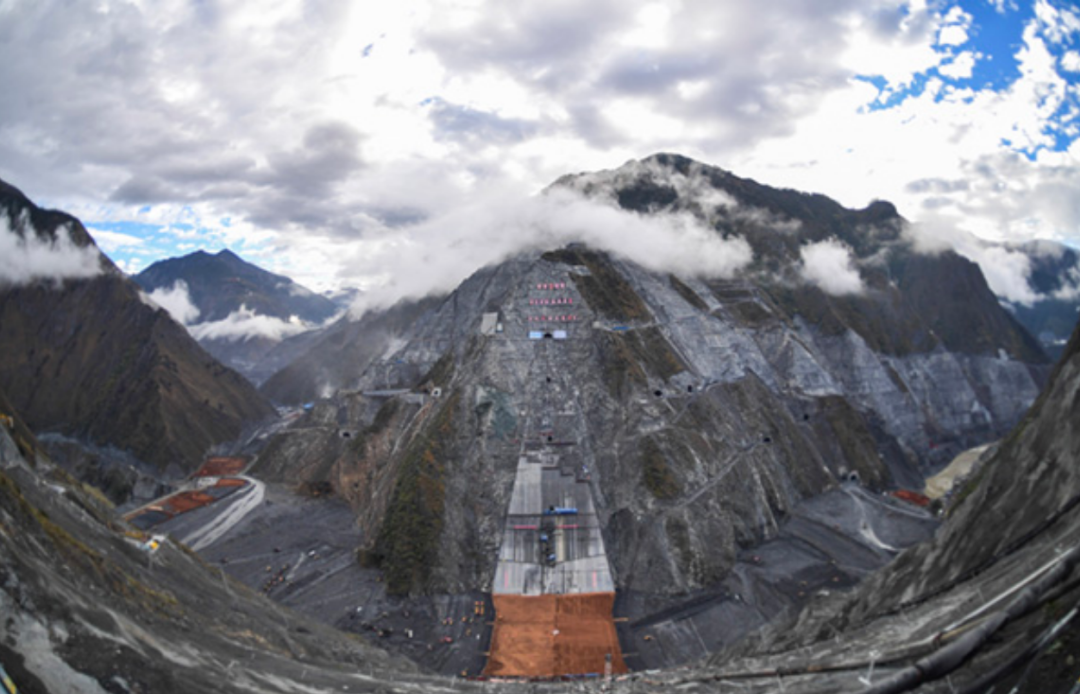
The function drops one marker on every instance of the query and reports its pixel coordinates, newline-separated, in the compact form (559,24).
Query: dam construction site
(575,471)
(547,600)
(553,591)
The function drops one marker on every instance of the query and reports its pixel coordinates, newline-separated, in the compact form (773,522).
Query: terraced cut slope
(553,590)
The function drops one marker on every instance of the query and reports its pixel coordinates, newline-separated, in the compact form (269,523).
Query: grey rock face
(702,429)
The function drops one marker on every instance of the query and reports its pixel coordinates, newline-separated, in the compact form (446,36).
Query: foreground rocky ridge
(990,601)
(88,609)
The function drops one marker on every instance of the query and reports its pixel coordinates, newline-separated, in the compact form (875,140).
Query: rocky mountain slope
(702,410)
(89,608)
(991,601)
(91,359)
(243,311)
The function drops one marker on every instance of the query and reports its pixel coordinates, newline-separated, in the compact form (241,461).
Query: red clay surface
(221,466)
(186,501)
(912,497)
(553,635)
(182,503)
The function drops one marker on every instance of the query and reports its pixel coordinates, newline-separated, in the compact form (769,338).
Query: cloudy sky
(328,140)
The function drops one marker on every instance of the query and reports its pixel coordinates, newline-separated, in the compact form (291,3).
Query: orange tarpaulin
(553,635)
(221,466)
(186,501)
(912,497)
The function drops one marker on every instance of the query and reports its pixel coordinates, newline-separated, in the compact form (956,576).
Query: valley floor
(300,551)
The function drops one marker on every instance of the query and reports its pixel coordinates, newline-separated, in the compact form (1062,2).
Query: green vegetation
(656,473)
(857,443)
(441,372)
(12,499)
(895,378)
(620,370)
(495,412)
(626,356)
(687,293)
(26,449)
(750,313)
(654,351)
(646,196)
(386,414)
(886,324)
(604,289)
(566,256)
(127,360)
(969,487)
(77,552)
(407,545)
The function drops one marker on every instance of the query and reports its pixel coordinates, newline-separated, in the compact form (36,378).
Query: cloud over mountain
(25,256)
(177,301)
(245,324)
(438,254)
(828,265)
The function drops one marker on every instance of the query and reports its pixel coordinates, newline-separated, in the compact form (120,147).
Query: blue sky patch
(995,38)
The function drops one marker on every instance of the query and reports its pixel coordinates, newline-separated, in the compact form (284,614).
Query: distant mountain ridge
(90,358)
(220,283)
(244,311)
(780,223)
(1054,268)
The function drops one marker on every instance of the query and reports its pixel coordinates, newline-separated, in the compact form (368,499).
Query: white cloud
(936,234)
(438,254)
(954,30)
(1059,23)
(892,44)
(130,266)
(828,265)
(1006,272)
(1070,61)
(112,241)
(177,301)
(950,135)
(245,324)
(960,66)
(26,257)
(1006,269)
(316,126)
(1070,289)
